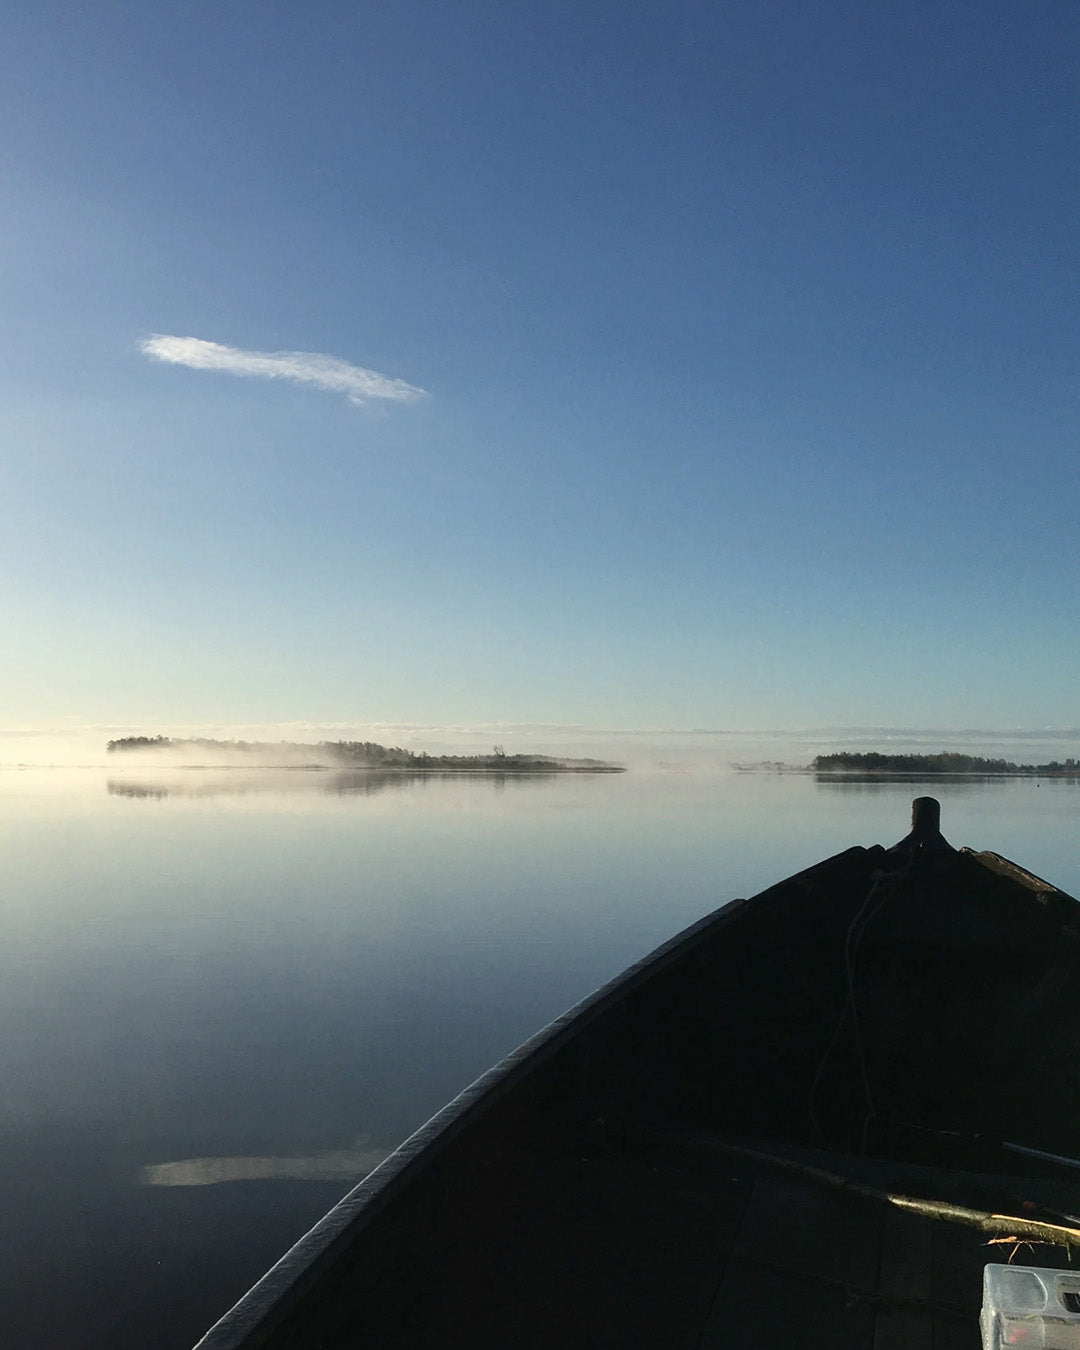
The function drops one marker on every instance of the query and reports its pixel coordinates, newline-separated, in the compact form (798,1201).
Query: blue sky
(747,333)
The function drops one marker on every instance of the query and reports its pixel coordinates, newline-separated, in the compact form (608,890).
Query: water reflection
(327,782)
(915,783)
(827,778)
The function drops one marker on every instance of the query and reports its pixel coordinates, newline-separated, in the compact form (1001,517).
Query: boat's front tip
(925,829)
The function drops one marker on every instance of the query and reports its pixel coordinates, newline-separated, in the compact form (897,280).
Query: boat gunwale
(260,1311)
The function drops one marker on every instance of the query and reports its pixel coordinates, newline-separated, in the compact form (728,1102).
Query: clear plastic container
(1030,1306)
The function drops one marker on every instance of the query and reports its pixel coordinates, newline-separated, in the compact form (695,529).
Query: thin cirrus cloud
(324,372)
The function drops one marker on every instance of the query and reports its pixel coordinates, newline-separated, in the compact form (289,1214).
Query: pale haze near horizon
(644,750)
(366,368)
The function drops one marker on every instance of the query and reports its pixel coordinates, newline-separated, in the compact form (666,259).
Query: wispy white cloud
(324,372)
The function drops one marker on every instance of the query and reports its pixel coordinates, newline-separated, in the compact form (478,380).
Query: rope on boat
(888,883)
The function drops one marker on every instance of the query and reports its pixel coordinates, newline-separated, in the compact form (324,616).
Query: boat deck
(679,1244)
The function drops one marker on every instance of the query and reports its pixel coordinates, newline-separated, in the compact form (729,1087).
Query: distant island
(200,752)
(945,763)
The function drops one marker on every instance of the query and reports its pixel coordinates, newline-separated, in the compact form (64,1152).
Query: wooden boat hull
(642,1172)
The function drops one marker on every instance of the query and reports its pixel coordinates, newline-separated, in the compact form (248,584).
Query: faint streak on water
(339,1165)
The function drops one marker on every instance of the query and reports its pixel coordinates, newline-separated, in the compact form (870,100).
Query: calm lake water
(260,983)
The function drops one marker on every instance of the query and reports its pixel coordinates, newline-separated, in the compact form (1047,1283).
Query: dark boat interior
(703,1154)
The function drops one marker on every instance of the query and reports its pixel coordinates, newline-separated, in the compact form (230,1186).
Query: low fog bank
(203,753)
(162,752)
(709,750)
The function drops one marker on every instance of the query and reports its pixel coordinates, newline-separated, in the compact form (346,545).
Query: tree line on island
(345,755)
(945,762)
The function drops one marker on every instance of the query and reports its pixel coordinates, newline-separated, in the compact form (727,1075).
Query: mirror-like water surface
(226,995)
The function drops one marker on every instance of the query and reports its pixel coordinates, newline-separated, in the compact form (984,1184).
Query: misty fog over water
(226,995)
